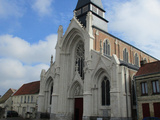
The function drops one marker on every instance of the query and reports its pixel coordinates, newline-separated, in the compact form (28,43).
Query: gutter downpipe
(136,97)
(126,91)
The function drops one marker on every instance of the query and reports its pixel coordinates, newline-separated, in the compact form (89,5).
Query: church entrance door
(78,109)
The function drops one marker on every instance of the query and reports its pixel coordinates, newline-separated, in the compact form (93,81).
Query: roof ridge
(13,90)
(31,82)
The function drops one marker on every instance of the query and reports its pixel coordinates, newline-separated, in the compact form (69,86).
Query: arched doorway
(48,95)
(76,93)
(78,109)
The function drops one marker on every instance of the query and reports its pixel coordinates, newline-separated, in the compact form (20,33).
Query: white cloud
(22,62)
(9,8)
(138,21)
(14,74)
(43,7)
(17,48)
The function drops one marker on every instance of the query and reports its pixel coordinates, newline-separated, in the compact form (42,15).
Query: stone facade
(84,82)
(150,98)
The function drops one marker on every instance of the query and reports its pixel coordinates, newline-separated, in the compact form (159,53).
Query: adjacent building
(6,99)
(92,76)
(148,90)
(6,102)
(24,101)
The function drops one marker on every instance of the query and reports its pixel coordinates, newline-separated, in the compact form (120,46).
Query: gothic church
(91,78)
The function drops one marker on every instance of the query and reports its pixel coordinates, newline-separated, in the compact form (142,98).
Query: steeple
(82,3)
(94,6)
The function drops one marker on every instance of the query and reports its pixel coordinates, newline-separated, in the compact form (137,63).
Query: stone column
(41,103)
(55,94)
(54,106)
(115,89)
(87,95)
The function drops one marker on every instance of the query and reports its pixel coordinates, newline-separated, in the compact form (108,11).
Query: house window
(28,99)
(25,99)
(31,99)
(106,48)
(16,99)
(144,88)
(105,85)
(136,60)
(80,59)
(21,99)
(125,55)
(155,86)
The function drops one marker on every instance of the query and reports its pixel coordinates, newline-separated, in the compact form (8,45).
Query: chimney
(143,62)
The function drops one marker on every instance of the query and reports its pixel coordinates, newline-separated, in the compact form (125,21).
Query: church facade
(91,78)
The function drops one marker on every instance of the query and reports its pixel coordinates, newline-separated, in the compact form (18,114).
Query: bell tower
(96,7)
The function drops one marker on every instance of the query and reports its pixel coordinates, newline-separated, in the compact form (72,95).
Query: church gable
(99,61)
(75,29)
(76,86)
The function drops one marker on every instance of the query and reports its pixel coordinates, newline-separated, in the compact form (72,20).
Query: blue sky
(28,33)
(31,21)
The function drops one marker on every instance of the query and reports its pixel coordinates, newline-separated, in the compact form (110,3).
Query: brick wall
(117,46)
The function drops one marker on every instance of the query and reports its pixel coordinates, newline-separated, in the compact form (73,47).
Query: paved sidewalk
(19,118)
(13,118)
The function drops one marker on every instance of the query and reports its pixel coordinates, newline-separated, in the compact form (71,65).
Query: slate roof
(29,88)
(82,3)
(7,95)
(149,68)
(129,65)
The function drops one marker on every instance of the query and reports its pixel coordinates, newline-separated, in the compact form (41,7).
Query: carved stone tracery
(79,60)
(78,91)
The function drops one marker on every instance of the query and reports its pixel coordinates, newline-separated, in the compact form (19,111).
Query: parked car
(151,118)
(12,114)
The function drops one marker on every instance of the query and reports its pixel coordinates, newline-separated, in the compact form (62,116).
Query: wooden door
(78,109)
(156,109)
(146,111)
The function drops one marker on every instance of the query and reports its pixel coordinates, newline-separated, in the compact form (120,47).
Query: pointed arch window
(105,85)
(106,48)
(136,59)
(145,60)
(80,59)
(125,55)
(51,91)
